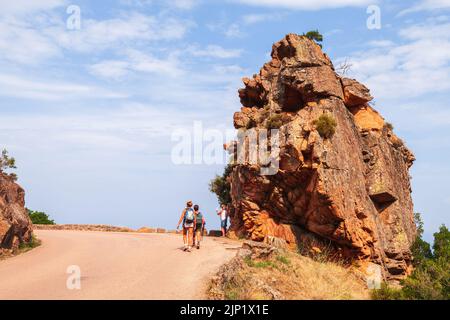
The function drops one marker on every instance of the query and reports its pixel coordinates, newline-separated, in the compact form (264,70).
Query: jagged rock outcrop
(15,224)
(350,192)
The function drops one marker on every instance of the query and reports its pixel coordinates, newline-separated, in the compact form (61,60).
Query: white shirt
(223,214)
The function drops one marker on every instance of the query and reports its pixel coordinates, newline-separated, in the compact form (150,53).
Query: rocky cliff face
(15,224)
(349,193)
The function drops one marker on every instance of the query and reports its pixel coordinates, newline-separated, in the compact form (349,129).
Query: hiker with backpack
(199,226)
(188,220)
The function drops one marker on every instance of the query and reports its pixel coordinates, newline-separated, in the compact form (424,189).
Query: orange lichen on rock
(367,118)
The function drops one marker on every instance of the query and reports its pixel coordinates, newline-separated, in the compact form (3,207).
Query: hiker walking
(188,219)
(223,214)
(199,226)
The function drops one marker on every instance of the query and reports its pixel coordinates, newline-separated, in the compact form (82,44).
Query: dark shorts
(223,224)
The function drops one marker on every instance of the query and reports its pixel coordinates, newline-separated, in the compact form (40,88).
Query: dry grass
(327,280)
(291,276)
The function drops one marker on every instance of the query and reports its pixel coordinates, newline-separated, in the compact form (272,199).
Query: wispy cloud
(421,61)
(233,31)
(184,4)
(176,4)
(236,29)
(307,4)
(21,43)
(215,51)
(37,89)
(19,7)
(426,5)
(253,18)
(137,61)
(98,35)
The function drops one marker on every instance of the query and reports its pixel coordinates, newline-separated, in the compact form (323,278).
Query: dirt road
(112,266)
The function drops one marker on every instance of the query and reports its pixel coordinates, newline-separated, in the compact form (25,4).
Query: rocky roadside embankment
(264,272)
(15,224)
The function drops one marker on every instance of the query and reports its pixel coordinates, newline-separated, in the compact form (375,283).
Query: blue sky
(89,113)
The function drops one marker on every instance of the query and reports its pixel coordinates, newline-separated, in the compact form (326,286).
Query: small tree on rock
(7,163)
(314,35)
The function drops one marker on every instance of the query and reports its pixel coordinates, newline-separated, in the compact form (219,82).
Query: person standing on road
(199,226)
(187,218)
(223,214)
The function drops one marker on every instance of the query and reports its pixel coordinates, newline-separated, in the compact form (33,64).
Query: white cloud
(184,4)
(229,69)
(426,31)
(23,44)
(16,7)
(110,69)
(332,32)
(216,51)
(136,3)
(177,4)
(35,39)
(233,31)
(127,127)
(253,18)
(104,34)
(37,89)
(426,5)
(418,66)
(307,4)
(137,61)
(147,63)
(381,43)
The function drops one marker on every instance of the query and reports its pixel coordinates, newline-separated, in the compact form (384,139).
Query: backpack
(199,220)
(189,215)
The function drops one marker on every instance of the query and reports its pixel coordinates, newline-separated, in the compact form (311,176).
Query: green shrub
(220,185)
(441,246)
(387,293)
(34,242)
(283,260)
(389,126)
(430,279)
(259,264)
(39,217)
(274,121)
(231,293)
(421,250)
(325,125)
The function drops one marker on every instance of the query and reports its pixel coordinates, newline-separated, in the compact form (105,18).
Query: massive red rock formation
(350,192)
(15,224)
